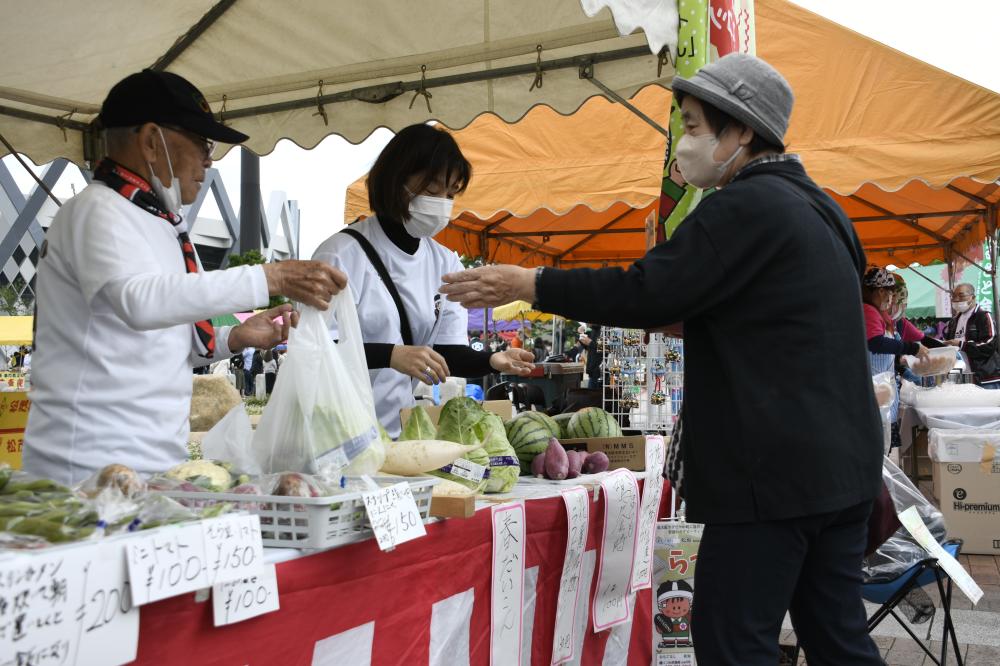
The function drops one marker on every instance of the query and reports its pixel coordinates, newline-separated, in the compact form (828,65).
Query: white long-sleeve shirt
(114,344)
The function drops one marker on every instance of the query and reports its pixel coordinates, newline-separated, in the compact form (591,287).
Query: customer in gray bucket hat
(780,439)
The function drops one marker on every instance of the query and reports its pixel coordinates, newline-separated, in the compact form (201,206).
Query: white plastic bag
(320,418)
(229,441)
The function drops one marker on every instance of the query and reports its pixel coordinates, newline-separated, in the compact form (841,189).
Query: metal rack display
(643,380)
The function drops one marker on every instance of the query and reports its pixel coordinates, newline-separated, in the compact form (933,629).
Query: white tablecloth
(944,417)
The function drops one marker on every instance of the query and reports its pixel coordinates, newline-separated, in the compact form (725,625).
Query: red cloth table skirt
(337,590)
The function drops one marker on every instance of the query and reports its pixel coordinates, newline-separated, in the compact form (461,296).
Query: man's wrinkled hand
(264,330)
(513,362)
(490,286)
(311,283)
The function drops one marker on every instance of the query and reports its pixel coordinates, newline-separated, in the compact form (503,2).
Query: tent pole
(991,235)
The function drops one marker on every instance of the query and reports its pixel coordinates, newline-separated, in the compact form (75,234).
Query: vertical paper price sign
(675,561)
(614,573)
(652,492)
(507,598)
(577,502)
(233,549)
(166,563)
(393,515)
(246,598)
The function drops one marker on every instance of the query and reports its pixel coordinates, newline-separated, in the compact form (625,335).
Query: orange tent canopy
(910,152)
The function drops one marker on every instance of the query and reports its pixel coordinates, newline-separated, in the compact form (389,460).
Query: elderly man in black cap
(780,439)
(123,305)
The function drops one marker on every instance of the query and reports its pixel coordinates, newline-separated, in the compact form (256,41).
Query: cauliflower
(205,473)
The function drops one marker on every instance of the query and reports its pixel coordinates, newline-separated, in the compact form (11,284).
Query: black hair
(417,149)
(720,121)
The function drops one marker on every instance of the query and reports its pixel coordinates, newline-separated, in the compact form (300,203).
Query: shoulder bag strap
(383,273)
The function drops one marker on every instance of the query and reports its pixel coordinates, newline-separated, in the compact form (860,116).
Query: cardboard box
(627,452)
(969,496)
(502,408)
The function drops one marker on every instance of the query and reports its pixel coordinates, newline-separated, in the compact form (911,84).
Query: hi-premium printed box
(966,476)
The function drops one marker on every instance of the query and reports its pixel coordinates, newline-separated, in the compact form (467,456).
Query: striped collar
(768,159)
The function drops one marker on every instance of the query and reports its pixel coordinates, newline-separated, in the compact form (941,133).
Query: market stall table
(426,602)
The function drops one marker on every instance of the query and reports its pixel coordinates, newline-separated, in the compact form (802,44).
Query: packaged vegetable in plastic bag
(320,418)
(504,465)
(885,396)
(463,421)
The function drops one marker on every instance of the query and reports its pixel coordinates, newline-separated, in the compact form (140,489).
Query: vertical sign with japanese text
(577,502)
(652,492)
(507,598)
(620,494)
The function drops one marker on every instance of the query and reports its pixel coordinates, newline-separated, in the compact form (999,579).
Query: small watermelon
(592,422)
(529,434)
(563,421)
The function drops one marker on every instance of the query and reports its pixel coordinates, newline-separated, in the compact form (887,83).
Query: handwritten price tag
(577,502)
(166,563)
(246,598)
(614,573)
(233,548)
(507,599)
(109,631)
(393,515)
(652,492)
(67,607)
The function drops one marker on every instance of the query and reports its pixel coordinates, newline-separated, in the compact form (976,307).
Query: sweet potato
(556,461)
(576,459)
(595,462)
(538,465)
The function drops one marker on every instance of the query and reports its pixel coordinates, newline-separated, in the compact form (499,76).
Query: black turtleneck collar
(398,235)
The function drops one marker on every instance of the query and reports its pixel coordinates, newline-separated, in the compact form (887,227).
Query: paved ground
(978,629)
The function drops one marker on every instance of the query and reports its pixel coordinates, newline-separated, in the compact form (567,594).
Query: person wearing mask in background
(972,330)
(905,329)
(270,370)
(123,305)
(885,344)
(410,332)
(782,453)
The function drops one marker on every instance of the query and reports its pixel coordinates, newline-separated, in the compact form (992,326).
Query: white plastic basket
(310,522)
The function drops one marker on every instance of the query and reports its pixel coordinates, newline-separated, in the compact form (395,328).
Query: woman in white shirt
(411,188)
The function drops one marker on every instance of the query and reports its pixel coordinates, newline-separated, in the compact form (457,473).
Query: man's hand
(513,362)
(421,363)
(312,283)
(262,331)
(923,353)
(953,343)
(489,286)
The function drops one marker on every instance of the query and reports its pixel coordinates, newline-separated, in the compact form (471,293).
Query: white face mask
(960,306)
(696,160)
(428,216)
(169,197)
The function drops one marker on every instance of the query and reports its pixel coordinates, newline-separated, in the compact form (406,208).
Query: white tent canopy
(260,63)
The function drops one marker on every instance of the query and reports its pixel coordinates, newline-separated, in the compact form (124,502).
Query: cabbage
(204,473)
(464,421)
(504,465)
(419,426)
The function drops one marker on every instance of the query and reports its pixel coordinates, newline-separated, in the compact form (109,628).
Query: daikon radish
(417,456)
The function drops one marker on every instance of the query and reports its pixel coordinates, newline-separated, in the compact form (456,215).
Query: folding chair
(890,593)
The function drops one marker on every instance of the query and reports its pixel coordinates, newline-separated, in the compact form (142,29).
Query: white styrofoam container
(963,446)
(310,522)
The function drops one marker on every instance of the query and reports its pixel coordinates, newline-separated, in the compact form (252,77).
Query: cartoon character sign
(673,621)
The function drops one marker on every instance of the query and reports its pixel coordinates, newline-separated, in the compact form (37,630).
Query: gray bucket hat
(746,88)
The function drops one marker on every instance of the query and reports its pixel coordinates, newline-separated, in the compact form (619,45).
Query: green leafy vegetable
(419,426)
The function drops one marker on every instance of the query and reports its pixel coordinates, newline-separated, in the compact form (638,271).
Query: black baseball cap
(163,98)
